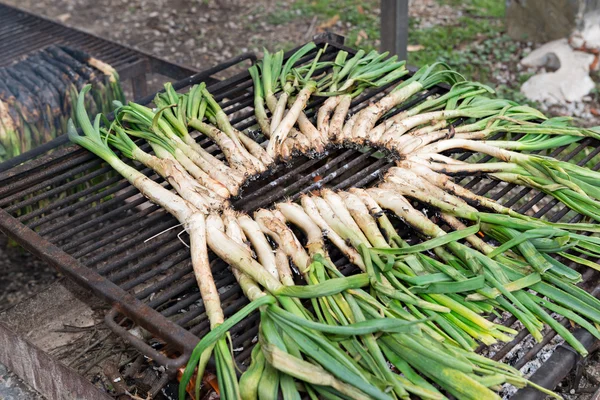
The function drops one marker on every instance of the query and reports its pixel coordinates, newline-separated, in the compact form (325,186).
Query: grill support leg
(139,86)
(394,27)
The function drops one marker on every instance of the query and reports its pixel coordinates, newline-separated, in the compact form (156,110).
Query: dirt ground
(194,33)
(21,274)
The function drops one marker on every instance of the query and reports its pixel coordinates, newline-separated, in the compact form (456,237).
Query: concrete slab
(13,388)
(41,318)
(35,327)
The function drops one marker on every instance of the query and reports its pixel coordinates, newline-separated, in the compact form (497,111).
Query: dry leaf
(415,47)
(63,17)
(360,9)
(361,35)
(329,23)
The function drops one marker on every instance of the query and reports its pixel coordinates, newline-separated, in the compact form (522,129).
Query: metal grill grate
(97,234)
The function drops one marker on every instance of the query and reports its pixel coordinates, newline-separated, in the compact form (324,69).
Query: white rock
(576,40)
(567,84)
(591,30)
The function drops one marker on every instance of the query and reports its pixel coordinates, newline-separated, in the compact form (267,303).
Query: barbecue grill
(113,241)
(22,33)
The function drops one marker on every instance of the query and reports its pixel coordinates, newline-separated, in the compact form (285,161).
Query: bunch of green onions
(419,309)
(36,96)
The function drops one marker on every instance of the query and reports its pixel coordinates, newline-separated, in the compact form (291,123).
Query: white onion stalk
(409,181)
(236,136)
(283,268)
(339,208)
(416,139)
(422,79)
(275,228)
(324,114)
(237,255)
(444,182)
(405,125)
(477,146)
(290,118)
(216,168)
(357,74)
(278,111)
(234,156)
(339,116)
(312,133)
(167,167)
(311,209)
(327,108)
(216,189)
(360,213)
(248,147)
(255,149)
(332,219)
(463,168)
(460,90)
(189,189)
(370,115)
(263,249)
(294,214)
(295,141)
(346,132)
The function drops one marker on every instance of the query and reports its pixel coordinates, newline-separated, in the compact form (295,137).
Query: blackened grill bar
(151,283)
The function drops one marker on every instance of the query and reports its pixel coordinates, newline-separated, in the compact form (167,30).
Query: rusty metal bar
(125,302)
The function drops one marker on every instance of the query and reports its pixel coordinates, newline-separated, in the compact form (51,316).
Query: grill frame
(143,314)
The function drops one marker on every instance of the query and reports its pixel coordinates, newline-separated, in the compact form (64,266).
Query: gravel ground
(194,33)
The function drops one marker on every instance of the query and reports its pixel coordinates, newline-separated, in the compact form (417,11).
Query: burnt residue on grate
(124,243)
